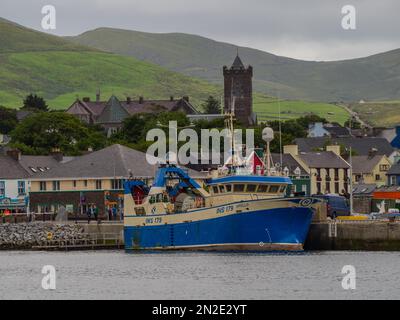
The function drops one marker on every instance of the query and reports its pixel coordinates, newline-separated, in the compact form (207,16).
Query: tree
(35,103)
(352,123)
(305,121)
(8,120)
(43,132)
(212,106)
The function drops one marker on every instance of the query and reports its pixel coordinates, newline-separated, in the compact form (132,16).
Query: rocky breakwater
(28,235)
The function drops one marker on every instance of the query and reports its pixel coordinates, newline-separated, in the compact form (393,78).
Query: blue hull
(274,229)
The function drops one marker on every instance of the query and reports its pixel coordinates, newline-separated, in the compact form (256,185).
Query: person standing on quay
(96,213)
(89,213)
(114,212)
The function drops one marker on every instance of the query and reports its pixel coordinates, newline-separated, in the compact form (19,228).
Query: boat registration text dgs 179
(225,209)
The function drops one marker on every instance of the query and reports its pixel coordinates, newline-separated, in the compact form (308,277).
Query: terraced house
(95,178)
(328,171)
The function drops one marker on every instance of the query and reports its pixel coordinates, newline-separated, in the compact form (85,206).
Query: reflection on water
(185,275)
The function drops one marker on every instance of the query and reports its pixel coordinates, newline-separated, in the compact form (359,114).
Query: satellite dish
(268,134)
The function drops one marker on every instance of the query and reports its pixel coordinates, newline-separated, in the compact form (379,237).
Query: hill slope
(59,70)
(32,61)
(372,78)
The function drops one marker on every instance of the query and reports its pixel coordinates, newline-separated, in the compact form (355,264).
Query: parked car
(336,205)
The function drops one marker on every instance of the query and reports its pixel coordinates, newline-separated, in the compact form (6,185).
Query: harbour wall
(367,235)
(330,235)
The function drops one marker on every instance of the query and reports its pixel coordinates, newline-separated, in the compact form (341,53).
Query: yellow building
(371,169)
(329,172)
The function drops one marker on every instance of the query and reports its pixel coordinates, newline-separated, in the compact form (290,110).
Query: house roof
(361,146)
(113,109)
(26,167)
(114,161)
(324,159)
(337,131)
(237,63)
(395,169)
(22,114)
(11,169)
(364,189)
(36,164)
(365,164)
(289,162)
(113,112)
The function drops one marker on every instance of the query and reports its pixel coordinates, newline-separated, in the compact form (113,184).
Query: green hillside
(50,66)
(373,78)
(378,113)
(268,109)
(16,38)
(59,70)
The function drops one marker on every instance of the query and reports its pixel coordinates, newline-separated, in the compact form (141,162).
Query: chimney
(15,154)
(372,152)
(186,98)
(98,96)
(141,100)
(292,149)
(128,100)
(171,98)
(86,99)
(335,149)
(57,154)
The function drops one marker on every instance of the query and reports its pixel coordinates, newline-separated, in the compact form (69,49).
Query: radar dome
(268,134)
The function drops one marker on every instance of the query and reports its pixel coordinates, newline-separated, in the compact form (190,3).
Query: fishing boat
(235,212)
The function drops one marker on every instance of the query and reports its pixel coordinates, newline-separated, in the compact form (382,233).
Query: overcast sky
(302,29)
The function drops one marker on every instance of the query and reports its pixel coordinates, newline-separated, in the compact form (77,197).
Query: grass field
(267,108)
(62,76)
(380,113)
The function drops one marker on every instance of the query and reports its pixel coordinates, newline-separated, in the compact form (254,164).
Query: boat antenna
(280,129)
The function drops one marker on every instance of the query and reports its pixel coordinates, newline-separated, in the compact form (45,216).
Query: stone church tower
(238,86)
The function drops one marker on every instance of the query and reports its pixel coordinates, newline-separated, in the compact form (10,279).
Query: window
(283,188)
(56,185)
(42,186)
(378,177)
(74,183)
(336,174)
(222,189)
(215,189)
(273,189)
(21,188)
(117,184)
(98,185)
(328,187)
(85,183)
(392,181)
(251,187)
(384,167)
(262,188)
(2,189)
(238,187)
(337,187)
(228,187)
